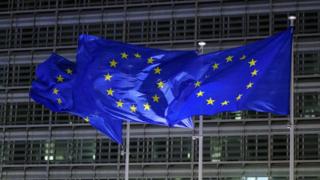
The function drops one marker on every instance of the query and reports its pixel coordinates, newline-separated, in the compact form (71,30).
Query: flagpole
(291,163)
(200,161)
(126,177)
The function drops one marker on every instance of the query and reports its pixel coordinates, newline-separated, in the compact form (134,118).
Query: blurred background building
(36,143)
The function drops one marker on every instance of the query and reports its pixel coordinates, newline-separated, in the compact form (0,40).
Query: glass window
(159,150)
(280,149)
(308,147)
(84,150)
(38,152)
(308,105)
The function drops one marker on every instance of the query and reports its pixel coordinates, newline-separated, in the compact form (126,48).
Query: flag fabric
(108,84)
(112,82)
(54,88)
(251,77)
(126,80)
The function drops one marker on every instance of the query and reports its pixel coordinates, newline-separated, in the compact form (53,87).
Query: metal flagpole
(291,163)
(200,161)
(126,177)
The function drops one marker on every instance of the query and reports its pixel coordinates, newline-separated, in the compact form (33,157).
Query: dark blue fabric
(131,79)
(47,90)
(85,92)
(231,78)
(113,81)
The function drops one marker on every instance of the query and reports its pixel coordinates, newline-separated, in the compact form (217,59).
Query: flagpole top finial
(201,43)
(292,18)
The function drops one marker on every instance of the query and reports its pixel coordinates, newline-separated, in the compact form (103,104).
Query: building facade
(36,143)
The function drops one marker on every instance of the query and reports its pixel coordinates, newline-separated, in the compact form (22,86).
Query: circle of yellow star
(200,93)
(69,71)
(119,103)
(60,78)
(210,101)
(252,62)
(254,72)
(155,98)
(157,70)
(107,77)
(160,84)
(197,84)
(224,103)
(86,119)
(59,100)
(110,92)
(243,57)
(150,60)
(124,55)
(137,55)
(55,91)
(249,85)
(146,106)
(215,66)
(229,58)
(133,108)
(113,63)
(239,97)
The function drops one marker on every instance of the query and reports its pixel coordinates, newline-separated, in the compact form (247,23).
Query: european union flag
(54,87)
(126,80)
(252,77)
(113,81)
(108,84)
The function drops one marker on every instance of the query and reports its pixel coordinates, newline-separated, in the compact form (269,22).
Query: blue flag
(113,82)
(109,83)
(252,77)
(126,80)
(54,87)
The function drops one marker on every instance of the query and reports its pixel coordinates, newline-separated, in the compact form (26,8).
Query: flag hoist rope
(291,124)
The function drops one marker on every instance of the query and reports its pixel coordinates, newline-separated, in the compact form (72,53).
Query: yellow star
(137,55)
(60,78)
(146,107)
(124,55)
(249,85)
(215,66)
(254,72)
(113,63)
(157,70)
(197,84)
(155,98)
(160,84)
(69,71)
(200,93)
(243,57)
(119,103)
(224,103)
(110,92)
(210,101)
(150,60)
(55,91)
(133,108)
(59,100)
(239,97)
(252,62)
(86,119)
(107,77)
(229,58)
